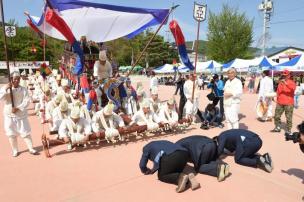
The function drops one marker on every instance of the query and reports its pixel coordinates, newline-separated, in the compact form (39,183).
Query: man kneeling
(108,121)
(74,130)
(203,155)
(245,144)
(170,160)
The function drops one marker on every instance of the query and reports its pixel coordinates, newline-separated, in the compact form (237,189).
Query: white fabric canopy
(167,68)
(100,22)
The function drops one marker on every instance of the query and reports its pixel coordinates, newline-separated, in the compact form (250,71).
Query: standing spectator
(285,101)
(218,88)
(232,98)
(178,82)
(251,84)
(266,87)
(298,93)
(153,81)
(182,99)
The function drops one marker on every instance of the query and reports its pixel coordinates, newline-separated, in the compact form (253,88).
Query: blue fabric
(265,63)
(90,104)
(291,62)
(218,89)
(184,56)
(227,65)
(61,5)
(79,66)
(211,66)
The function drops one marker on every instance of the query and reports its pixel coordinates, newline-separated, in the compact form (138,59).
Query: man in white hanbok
(74,129)
(102,67)
(59,113)
(108,121)
(168,113)
(233,91)
(155,103)
(16,118)
(146,117)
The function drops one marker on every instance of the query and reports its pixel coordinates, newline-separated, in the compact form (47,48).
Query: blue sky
(282,33)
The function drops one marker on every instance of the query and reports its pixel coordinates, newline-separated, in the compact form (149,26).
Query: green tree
(229,35)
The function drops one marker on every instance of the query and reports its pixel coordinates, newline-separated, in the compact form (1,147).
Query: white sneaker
(33,152)
(15,153)
(69,147)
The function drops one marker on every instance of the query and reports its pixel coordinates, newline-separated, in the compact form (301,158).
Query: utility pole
(267,8)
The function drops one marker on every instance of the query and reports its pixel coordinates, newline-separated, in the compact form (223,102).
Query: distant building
(286,54)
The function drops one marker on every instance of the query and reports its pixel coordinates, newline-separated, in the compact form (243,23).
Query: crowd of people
(73,113)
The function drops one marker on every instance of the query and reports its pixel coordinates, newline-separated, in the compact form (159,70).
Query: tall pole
(264,30)
(6,53)
(196,55)
(151,39)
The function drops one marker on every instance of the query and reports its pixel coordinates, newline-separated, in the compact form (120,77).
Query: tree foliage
(229,35)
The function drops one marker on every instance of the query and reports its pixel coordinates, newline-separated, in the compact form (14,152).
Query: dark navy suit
(244,143)
(203,153)
(168,158)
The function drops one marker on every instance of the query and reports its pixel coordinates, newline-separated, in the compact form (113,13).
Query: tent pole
(6,54)
(148,44)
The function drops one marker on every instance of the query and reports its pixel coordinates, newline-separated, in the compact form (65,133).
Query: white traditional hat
(171,101)
(108,109)
(75,113)
(55,72)
(146,103)
(64,82)
(15,73)
(58,98)
(140,91)
(64,106)
(77,103)
(58,77)
(154,91)
(102,55)
(46,88)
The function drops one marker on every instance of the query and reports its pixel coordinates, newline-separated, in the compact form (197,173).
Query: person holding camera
(297,137)
(212,117)
(285,101)
(217,85)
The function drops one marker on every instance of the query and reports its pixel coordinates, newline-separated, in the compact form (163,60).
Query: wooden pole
(148,44)
(6,53)
(196,55)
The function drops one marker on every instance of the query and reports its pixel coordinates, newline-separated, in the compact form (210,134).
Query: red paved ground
(111,173)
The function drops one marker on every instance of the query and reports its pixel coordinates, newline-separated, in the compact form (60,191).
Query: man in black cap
(170,160)
(245,145)
(203,155)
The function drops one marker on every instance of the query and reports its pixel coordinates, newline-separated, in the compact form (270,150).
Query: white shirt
(21,101)
(144,119)
(68,127)
(153,82)
(266,86)
(166,115)
(236,89)
(97,124)
(102,71)
(188,89)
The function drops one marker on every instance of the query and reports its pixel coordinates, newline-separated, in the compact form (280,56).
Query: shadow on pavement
(295,172)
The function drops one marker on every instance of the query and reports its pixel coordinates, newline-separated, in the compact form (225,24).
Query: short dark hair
(266,72)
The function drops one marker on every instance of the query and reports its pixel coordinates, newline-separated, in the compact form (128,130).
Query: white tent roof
(205,66)
(167,68)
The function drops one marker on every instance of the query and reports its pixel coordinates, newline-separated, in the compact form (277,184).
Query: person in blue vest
(203,155)
(169,160)
(245,145)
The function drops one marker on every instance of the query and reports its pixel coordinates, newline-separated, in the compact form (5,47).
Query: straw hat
(75,113)
(146,103)
(102,55)
(171,101)
(58,99)
(108,110)
(64,82)
(64,106)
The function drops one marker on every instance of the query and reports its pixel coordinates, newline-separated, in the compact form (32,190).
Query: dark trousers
(182,102)
(171,166)
(221,100)
(178,86)
(249,157)
(207,162)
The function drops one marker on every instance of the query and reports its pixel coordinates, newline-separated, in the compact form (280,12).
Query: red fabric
(93,95)
(57,22)
(177,33)
(29,22)
(285,92)
(84,82)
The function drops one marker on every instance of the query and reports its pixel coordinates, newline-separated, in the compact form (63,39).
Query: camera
(295,137)
(205,125)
